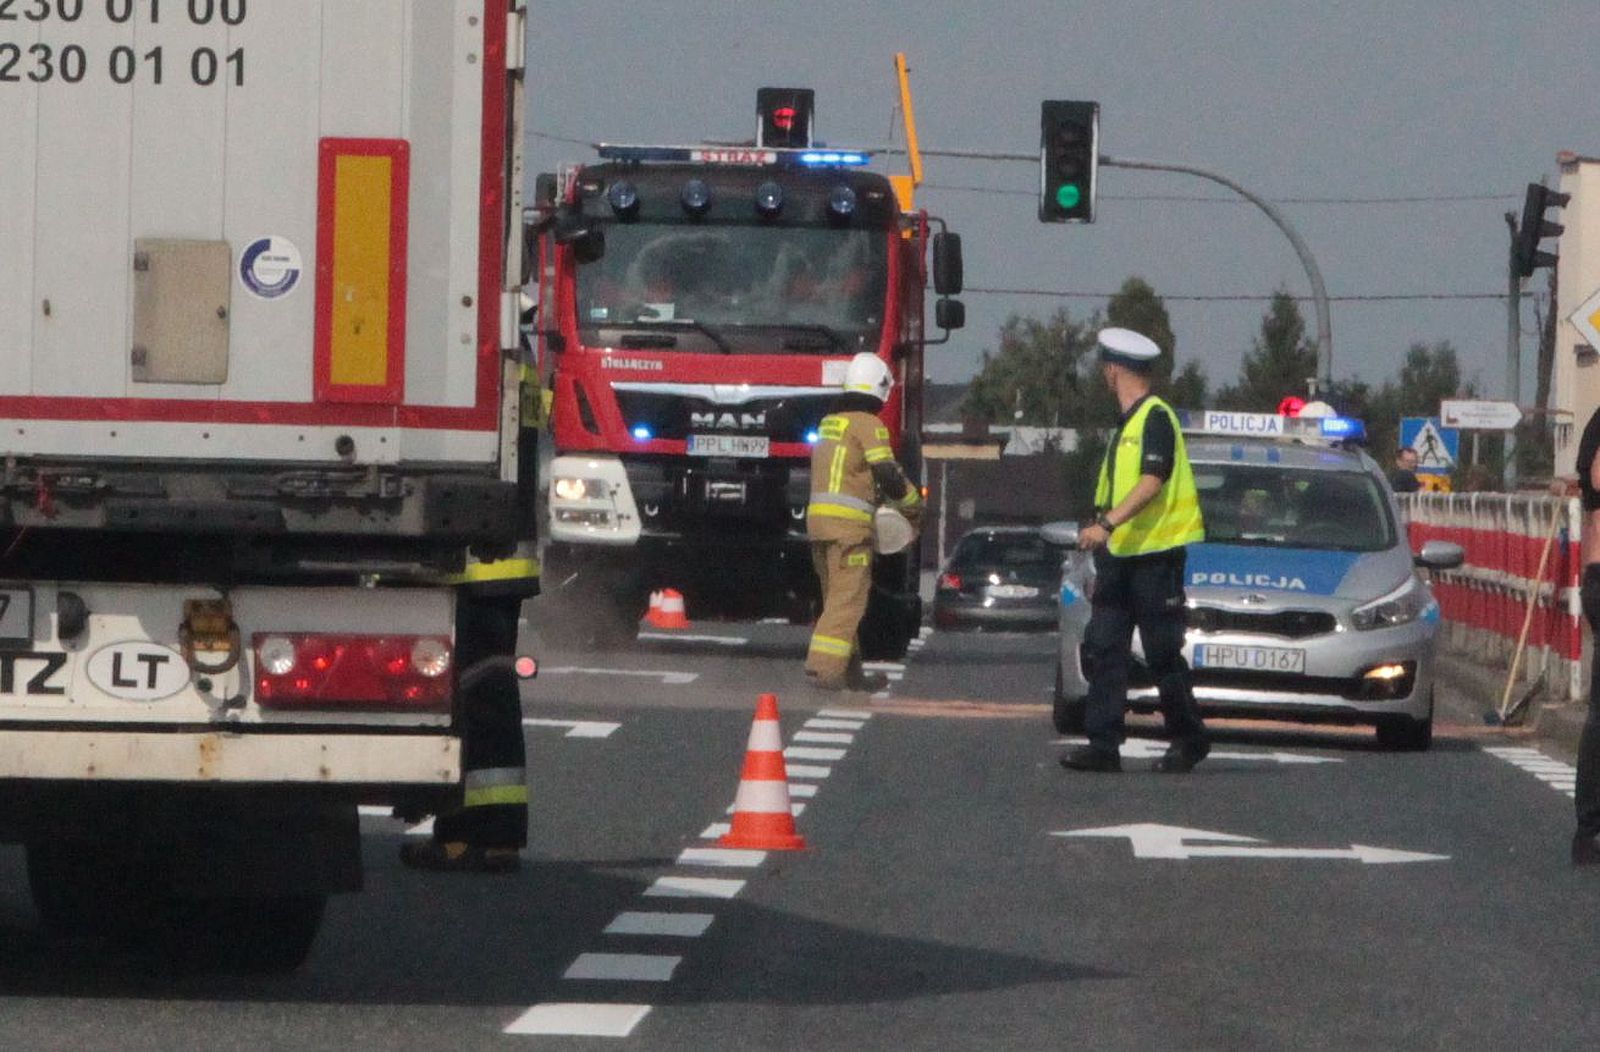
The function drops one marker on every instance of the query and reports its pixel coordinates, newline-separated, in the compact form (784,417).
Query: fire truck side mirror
(947,270)
(950,314)
(588,241)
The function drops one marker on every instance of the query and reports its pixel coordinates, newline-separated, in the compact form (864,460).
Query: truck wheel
(1067,713)
(84,890)
(240,936)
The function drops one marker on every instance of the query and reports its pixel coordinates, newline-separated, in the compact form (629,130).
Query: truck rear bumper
(213,757)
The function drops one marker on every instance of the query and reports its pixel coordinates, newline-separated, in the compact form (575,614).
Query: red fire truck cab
(697,309)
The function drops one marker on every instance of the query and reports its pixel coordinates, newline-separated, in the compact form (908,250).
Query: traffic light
(1069,158)
(784,118)
(1526,256)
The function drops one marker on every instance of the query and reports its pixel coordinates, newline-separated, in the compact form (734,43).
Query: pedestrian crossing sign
(1437,447)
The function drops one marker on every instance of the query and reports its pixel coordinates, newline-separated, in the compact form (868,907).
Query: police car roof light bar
(1332,430)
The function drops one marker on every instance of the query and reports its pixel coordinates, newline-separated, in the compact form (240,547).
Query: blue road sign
(1438,447)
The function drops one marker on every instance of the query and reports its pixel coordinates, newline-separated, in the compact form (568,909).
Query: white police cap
(1126,347)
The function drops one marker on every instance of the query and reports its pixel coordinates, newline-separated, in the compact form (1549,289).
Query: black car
(1000,577)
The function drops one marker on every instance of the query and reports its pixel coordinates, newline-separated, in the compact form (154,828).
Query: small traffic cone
(653,615)
(672,614)
(762,817)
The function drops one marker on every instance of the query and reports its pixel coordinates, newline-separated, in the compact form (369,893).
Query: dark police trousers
(1143,592)
(1588,787)
(494,812)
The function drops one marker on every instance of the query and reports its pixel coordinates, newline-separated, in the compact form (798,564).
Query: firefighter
(853,470)
(1147,512)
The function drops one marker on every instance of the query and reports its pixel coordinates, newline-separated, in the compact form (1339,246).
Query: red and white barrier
(1485,602)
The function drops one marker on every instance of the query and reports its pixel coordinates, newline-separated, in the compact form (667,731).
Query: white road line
(801,753)
(803,790)
(674,637)
(883,666)
(1562,777)
(693,888)
(672,679)
(578,728)
(835,725)
(824,738)
(802,770)
(723,857)
(374,811)
(716,831)
(624,967)
(671,925)
(567,1019)
(845,714)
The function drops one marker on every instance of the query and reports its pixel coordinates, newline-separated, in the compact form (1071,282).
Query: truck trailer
(260,266)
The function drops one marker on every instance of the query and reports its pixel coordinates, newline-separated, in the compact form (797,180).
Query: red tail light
(304,671)
(950,581)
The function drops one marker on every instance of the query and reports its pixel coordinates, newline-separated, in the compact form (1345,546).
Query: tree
(1279,362)
(1190,389)
(1040,375)
(1136,306)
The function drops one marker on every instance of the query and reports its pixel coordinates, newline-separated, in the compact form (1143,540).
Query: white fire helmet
(869,375)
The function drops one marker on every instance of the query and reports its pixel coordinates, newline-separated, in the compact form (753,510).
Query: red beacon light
(1291,406)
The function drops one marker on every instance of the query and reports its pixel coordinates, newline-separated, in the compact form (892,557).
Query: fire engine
(697,306)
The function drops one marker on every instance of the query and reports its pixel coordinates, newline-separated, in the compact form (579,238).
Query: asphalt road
(1381,900)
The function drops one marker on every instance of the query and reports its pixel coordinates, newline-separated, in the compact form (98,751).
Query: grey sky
(1293,99)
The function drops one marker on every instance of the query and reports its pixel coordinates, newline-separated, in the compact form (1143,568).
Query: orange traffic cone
(672,614)
(762,817)
(653,615)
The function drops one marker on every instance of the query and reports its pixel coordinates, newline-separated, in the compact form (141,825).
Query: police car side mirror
(1441,555)
(947,269)
(1061,534)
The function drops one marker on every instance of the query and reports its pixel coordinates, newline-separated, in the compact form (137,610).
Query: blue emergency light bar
(758,156)
(1271,425)
(1343,428)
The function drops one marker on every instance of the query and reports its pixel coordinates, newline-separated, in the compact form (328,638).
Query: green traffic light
(1069,196)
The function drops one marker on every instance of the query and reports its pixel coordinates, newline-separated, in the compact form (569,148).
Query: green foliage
(1429,374)
(1279,362)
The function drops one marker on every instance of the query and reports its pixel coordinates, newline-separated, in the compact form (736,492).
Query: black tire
(254,936)
(82,889)
(1067,713)
(1403,734)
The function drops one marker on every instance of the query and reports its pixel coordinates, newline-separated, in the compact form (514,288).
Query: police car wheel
(1067,713)
(1404,734)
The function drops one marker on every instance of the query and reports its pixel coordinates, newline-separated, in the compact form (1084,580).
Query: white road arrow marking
(1150,749)
(577,728)
(1150,840)
(674,679)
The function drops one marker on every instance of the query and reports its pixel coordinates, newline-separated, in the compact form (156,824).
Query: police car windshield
(793,289)
(1279,507)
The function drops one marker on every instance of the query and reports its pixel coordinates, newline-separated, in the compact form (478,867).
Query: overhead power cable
(1409,297)
(1213,199)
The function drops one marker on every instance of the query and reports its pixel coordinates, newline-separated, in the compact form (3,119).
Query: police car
(1305,600)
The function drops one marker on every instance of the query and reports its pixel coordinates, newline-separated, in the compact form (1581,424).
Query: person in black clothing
(1586,838)
(1403,479)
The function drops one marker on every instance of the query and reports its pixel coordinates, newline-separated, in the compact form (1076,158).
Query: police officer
(1147,512)
(853,470)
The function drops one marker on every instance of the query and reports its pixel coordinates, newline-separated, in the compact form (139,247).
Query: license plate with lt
(1248,659)
(729,446)
(16,614)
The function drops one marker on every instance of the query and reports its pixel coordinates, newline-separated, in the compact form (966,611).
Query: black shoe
(1585,850)
(870,682)
(1089,758)
(454,856)
(1182,756)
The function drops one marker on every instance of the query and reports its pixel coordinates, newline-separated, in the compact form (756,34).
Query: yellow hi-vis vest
(1172,518)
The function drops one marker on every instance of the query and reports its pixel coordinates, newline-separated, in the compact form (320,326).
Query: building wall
(1576,387)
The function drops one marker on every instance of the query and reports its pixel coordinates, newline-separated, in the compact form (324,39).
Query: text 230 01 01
(71,63)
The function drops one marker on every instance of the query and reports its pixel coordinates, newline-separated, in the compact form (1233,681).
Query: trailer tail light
(316,671)
(950,582)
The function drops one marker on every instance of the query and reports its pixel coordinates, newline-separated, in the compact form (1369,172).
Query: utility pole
(1513,347)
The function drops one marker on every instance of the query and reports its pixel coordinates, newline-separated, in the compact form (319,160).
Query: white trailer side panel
(210,124)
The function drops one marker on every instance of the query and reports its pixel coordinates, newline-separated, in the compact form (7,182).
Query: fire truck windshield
(738,288)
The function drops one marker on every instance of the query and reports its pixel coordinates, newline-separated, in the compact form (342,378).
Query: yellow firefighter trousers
(845,570)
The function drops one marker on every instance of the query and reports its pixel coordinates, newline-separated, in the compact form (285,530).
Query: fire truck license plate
(729,445)
(16,615)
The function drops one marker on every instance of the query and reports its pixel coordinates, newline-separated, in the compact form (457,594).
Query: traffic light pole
(1319,291)
(1513,347)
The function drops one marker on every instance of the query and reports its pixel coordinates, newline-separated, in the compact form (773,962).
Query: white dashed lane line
(579,1020)
(624,967)
(693,888)
(1562,777)
(825,738)
(664,925)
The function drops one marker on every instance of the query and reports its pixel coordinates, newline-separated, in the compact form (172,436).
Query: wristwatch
(1104,523)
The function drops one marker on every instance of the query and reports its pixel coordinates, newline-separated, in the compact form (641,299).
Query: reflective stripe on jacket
(1172,518)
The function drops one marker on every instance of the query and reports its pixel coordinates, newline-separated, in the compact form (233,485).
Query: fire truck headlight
(769,199)
(842,202)
(696,197)
(579,489)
